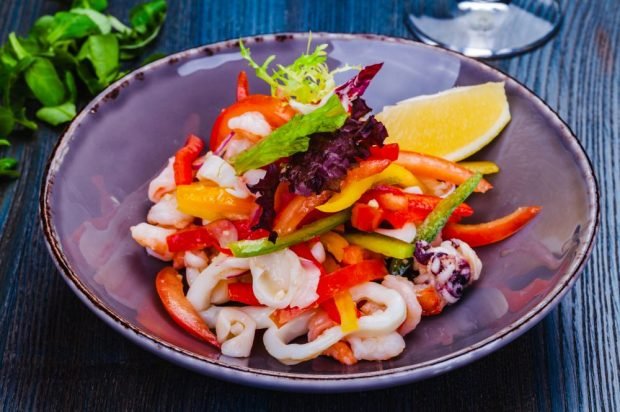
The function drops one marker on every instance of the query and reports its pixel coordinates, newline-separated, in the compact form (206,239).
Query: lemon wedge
(453,124)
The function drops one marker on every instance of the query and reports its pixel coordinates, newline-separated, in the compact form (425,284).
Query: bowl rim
(296,381)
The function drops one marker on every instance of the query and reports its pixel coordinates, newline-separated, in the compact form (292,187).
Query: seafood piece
(381,347)
(280,280)
(163,183)
(154,239)
(406,290)
(166,213)
(449,267)
(221,268)
(276,340)
(235,331)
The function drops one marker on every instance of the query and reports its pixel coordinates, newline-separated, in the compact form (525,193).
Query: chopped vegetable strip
(385,245)
(170,290)
(482,234)
(347,312)
(249,248)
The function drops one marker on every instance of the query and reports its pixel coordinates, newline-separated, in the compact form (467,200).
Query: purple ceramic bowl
(96,188)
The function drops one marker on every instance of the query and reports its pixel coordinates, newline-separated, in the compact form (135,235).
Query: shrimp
(194,262)
(216,169)
(406,289)
(381,347)
(251,122)
(340,351)
(163,183)
(430,300)
(154,239)
(166,213)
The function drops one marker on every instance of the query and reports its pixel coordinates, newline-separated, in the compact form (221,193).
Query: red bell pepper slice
(245,231)
(242,293)
(276,112)
(366,168)
(243,89)
(388,151)
(398,219)
(291,216)
(183,171)
(333,283)
(417,202)
(365,217)
(329,306)
(170,290)
(194,238)
(437,168)
(490,232)
(426,203)
(418,206)
(349,276)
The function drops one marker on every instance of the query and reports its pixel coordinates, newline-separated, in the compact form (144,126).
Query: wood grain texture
(56,355)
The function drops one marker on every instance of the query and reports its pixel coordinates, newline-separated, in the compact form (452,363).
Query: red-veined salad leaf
(356,86)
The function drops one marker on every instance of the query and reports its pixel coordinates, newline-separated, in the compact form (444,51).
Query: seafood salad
(304,218)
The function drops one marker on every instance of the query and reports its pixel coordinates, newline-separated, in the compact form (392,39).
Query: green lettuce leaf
(293,137)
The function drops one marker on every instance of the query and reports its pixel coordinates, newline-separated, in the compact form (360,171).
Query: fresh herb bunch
(79,49)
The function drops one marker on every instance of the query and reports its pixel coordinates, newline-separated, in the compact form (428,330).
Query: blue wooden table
(55,354)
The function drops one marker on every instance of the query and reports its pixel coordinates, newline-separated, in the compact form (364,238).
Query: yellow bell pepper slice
(335,244)
(347,311)
(212,202)
(483,166)
(351,192)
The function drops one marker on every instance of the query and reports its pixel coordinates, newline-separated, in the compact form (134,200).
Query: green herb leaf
(146,22)
(293,137)
(42,27)
(71,86)
(99,61)
(4,142)
(68,25)
(7,121)
(80,45)
(144,17)
(43,81)
(98,5)
(7,167)
(57,115)
(101,20)
(22,119)
(18,49)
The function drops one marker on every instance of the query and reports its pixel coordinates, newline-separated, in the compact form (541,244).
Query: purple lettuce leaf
(331,155)
(355,87)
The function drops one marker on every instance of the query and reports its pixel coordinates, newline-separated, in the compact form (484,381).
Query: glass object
(485,28)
